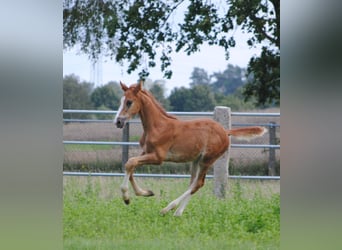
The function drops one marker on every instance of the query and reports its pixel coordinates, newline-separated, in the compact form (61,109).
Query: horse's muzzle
(120,122)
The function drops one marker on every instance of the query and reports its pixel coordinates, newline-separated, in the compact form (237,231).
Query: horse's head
(130,104)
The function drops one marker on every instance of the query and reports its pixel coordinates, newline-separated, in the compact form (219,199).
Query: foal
(166,138)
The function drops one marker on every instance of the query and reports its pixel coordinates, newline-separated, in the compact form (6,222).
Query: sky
(210,58)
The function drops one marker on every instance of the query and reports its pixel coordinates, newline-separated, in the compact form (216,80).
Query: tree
(228,81)
(234,101)
(157,88)
(76,95)
(197,98)
(107,96)
(199,77)
(264,80)
(178,98)
(261,18)
(202,99)
(134,31)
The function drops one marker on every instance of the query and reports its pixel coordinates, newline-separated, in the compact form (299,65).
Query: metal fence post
(223,116)
(272,158)
(125,138)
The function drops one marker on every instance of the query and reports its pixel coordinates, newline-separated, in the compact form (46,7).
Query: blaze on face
(129,105)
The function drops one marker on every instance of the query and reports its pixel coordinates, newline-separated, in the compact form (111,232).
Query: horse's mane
(157,104)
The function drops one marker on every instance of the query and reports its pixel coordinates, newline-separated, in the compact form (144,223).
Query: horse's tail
(247,133)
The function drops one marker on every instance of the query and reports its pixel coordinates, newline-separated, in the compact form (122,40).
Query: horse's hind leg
(176,202)
(198,182)
(197,174)
(186,194)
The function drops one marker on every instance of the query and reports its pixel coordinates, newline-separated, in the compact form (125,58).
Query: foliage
(157,88)
(251,168)
(205,93)
(261,18)
(107,96)
(178,98)
(265,74)
(228,81)
(76,95)
(89,24)
(199,76)
(257,168)
(135,31)
(81,95)
(197,98)
(94,217)
(233,101)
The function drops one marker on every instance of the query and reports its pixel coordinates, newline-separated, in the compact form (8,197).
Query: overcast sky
(210,58)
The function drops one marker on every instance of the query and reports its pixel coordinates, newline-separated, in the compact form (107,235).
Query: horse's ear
(139,87)
(123,86)
(141,84)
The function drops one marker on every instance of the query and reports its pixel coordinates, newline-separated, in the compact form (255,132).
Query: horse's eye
(129,103)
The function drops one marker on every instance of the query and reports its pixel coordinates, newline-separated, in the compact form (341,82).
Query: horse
(166,138)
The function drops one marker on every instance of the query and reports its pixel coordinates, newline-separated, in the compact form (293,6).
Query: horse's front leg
(132,163)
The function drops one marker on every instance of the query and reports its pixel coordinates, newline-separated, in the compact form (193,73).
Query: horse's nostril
(120,122)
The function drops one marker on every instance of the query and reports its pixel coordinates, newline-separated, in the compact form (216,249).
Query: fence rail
(272,146)
(113,112)
(177,176)
(137,144)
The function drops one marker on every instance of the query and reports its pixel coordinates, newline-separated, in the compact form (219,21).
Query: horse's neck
(151,116)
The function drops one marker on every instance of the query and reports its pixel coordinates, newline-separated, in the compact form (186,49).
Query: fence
(221,114)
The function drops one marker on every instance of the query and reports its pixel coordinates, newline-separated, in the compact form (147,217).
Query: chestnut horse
(166,138)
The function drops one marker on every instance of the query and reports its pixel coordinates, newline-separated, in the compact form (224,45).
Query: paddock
(94,216)
(107,144)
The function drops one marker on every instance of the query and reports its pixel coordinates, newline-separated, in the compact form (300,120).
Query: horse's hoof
(127,202)
(163,212)
(150,193)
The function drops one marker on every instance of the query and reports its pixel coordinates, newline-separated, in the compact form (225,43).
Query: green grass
(95,217)
(86,147)
(134,138)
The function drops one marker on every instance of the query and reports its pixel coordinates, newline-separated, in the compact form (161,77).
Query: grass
(87,147)
(256,167)
(96,218)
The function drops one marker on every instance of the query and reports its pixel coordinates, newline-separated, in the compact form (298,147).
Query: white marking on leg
(176,202)
(124,187)
(183,199)
(182,205)
(120,109)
